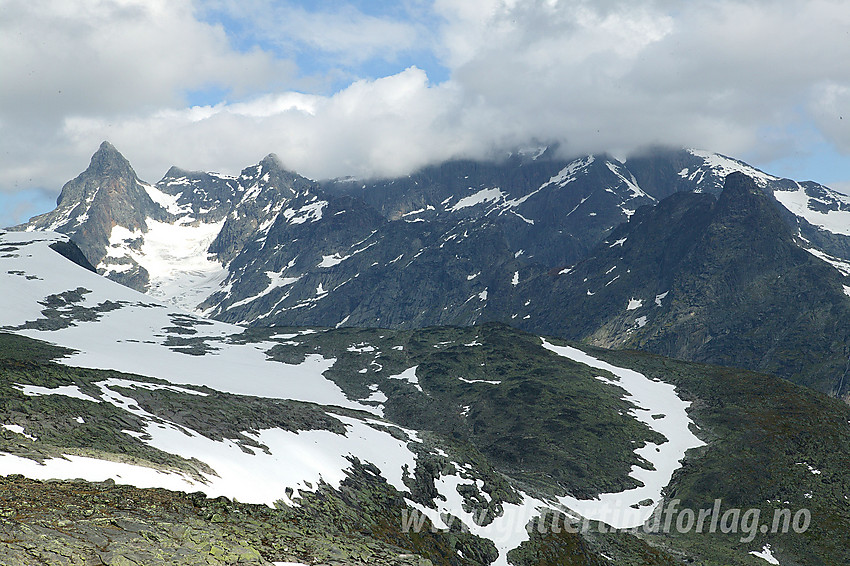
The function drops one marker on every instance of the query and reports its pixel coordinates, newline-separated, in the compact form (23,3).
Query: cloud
(742,77)
(616,75)
(344,32)
(387,126)
(107,56)
(830,107)
(115,59)
(334,43)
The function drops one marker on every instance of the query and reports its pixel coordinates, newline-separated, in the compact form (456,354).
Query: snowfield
(135,337)
(803,205)
(175,256)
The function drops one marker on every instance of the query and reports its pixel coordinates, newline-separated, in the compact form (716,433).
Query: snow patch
(569,173)
(409,375)
(463,379)
(800,203)
(481,197)
(276,280)
(295,461)
(336,259)
(308,213)
(840,265)
(332,260)
(166,201)
(630,182)
(175,256)
(649,398)
(18,429)
(65,390)
(507,531)
(766,555)
(812,470)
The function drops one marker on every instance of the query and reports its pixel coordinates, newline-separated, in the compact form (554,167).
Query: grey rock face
(107,194)
(715,280)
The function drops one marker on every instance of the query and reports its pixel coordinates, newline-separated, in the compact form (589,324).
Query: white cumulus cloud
(742,77)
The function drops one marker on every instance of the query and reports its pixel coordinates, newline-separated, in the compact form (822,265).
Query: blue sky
(339,66)
(381,88)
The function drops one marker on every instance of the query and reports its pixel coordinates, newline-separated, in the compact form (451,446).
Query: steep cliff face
(106,195)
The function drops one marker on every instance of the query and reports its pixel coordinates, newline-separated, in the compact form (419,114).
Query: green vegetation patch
(535,416)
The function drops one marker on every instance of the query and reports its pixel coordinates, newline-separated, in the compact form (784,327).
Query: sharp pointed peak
(273,164)
(107,149)
(272,161)
(174,171)
(109,159)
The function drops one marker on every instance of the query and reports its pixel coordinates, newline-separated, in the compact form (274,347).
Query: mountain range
(522,362)
(651,252)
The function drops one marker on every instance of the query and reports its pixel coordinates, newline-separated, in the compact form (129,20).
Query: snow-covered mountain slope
(550,209)
(818,205)
(709,174)
(195,361)
(112,327)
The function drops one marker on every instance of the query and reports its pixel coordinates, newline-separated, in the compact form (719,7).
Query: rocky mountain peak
(107,169)
(744,205)
(738,185)
(270,172)
(272,162)
(106,195)
(108,150)
(175,172)
(277,172)
(109,161)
